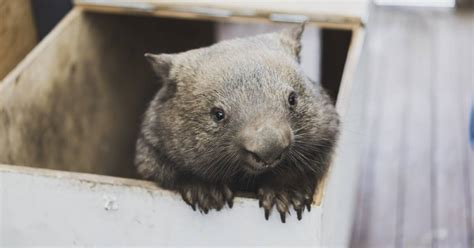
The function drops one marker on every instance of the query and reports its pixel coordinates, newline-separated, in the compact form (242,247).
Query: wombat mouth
(255,170)
(254,166)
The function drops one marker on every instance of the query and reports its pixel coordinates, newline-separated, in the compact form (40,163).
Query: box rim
(218,11)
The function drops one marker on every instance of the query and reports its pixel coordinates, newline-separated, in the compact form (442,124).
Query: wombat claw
(206,196)
(283,200)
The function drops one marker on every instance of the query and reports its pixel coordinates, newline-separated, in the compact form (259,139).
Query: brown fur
(183,148)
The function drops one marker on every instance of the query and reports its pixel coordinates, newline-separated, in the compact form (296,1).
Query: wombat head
(242,105)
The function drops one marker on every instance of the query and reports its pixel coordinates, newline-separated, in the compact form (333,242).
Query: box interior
(78,102)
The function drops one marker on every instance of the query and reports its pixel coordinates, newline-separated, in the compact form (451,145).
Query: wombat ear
(161,63)
(290,38)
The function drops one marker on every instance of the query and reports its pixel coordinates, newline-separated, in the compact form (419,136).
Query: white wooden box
(69,114)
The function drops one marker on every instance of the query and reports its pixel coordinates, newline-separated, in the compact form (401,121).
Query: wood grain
(53,208)
(416,178)
(17,33)
(329,14)
(76,102)
(414,206)
(451,71)
(370,76)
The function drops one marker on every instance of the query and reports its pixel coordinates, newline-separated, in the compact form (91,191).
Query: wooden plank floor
(416,184)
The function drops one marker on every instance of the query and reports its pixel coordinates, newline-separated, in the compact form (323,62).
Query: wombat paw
(206,196)
(283,200)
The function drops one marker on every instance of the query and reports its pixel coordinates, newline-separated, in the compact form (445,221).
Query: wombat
(239,115)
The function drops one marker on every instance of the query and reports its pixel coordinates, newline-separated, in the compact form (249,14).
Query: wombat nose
(266,157)
(265,143)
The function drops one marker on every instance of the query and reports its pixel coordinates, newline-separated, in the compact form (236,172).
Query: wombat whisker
(277,171)
(319,144)
(302,158)
(210,168)
(248,182)
(297,161)
(230,166)
(307,162)
(222,164)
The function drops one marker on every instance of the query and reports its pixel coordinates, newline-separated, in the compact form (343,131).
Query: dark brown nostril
(256,157)
(264,162)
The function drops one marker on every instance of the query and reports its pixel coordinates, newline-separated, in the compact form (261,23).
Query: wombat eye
(217,114)
(292,99)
